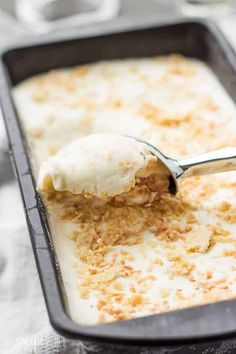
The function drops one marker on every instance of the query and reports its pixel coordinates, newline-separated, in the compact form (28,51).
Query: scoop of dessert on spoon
(102,166)
(106,166)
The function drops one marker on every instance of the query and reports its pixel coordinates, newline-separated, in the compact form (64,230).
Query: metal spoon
(211,162)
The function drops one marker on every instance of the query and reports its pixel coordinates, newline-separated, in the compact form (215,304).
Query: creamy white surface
(65,117)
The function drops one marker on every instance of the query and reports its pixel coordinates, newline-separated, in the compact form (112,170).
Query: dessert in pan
(126,246)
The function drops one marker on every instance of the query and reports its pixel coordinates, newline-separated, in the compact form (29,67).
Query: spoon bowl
(211,162)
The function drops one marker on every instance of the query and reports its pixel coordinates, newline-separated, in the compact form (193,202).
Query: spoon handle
(210,162)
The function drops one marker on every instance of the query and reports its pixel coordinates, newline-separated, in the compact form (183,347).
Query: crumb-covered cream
(121,259)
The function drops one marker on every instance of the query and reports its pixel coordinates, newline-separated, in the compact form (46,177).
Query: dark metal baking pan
(193,39)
